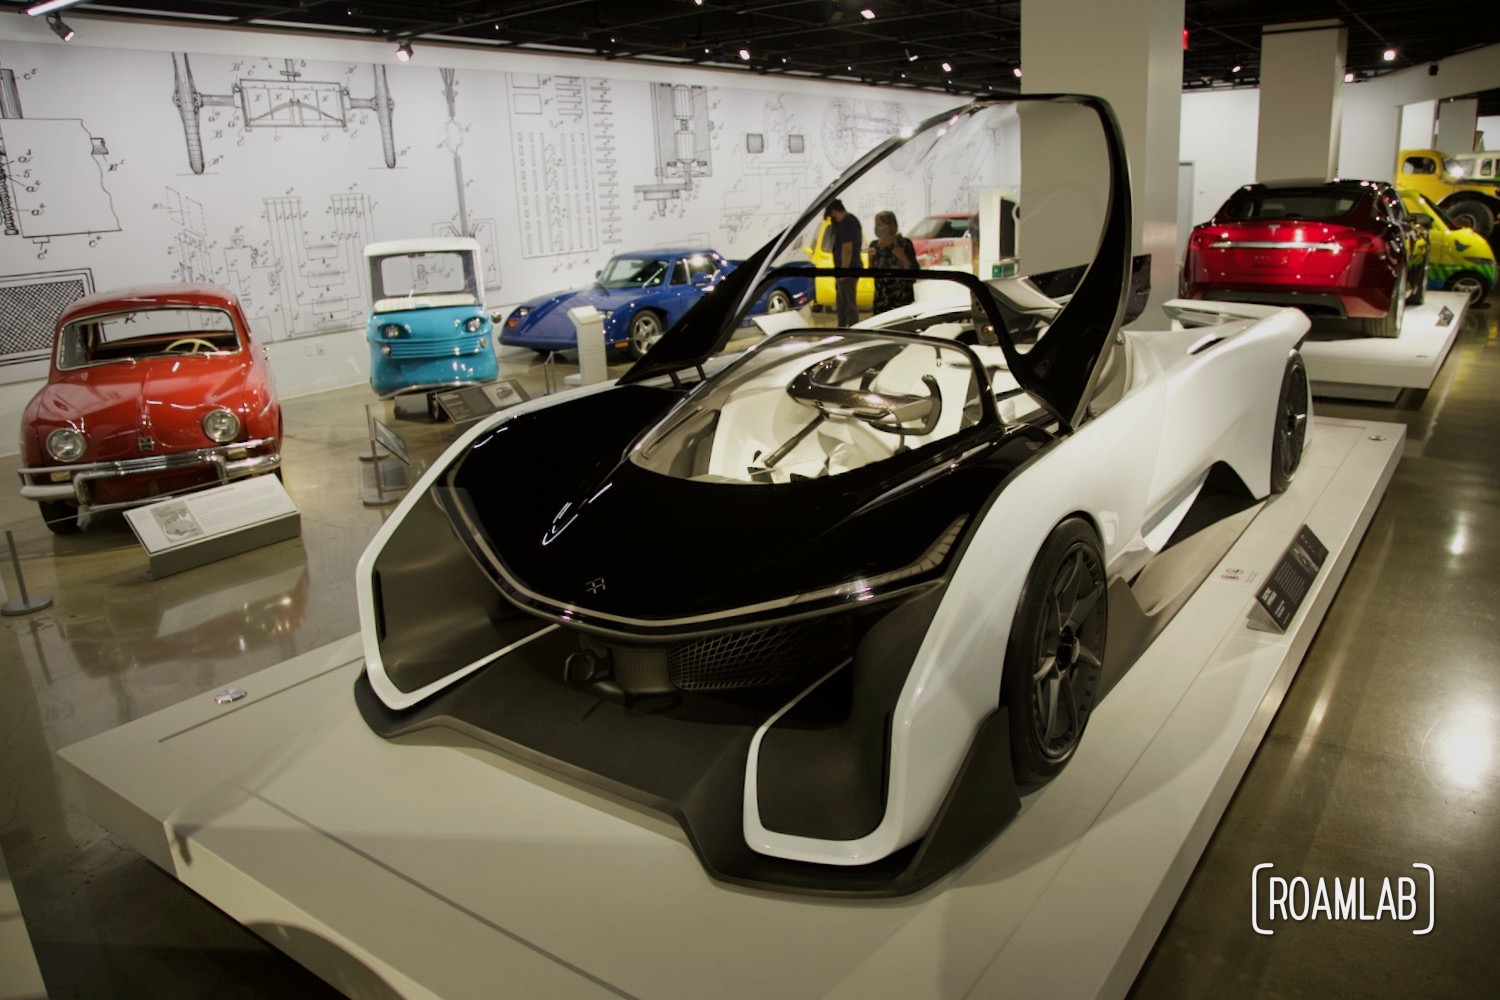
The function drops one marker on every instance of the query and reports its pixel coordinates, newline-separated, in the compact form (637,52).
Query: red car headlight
(66,445)
(221,426)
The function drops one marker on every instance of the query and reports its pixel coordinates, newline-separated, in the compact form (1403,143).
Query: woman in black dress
(892,251)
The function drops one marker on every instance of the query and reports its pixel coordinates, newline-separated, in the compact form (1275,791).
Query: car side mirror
(1421,220)
(700,279)
(597,273)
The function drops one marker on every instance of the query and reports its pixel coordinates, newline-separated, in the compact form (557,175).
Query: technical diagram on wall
(290,102)
(558,124)
(682,132)
(852,128)
(190,242)
(308,278)
(51,175)
(777,176)
(29,305)
(462,223)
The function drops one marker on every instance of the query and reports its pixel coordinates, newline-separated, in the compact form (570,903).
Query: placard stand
(184,532)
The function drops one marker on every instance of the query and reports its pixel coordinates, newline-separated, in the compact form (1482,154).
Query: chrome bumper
(218,459)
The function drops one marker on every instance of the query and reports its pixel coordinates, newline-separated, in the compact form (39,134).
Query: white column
(1130,53)
(1301,100)
(1457,121)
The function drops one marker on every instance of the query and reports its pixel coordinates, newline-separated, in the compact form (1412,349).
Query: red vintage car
(152,391)
(1343,248)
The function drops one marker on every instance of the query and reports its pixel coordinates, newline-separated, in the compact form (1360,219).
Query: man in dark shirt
(847,237)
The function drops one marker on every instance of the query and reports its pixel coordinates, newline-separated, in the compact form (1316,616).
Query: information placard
(466,405)
(1282,593)
(181,532)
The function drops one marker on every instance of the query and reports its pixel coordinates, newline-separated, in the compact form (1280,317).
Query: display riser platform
(1343,364)
(443,869)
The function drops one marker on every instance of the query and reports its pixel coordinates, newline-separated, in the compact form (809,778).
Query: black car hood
(607,545)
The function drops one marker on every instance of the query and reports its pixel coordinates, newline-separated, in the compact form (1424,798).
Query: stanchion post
(25,604)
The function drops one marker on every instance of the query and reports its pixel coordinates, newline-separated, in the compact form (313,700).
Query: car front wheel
(1056,652)
(1291,424)
(61,516)
(645,330)
(1469,284)
(778,302)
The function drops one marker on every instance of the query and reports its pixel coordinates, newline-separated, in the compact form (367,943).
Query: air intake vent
(775,655)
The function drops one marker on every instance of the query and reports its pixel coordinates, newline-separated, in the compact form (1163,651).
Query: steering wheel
(883,411)
(193,344)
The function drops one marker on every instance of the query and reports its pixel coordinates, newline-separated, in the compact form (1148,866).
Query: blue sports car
(642,295)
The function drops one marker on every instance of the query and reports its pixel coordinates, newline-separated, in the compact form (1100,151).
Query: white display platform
(1350,366)
(448,870)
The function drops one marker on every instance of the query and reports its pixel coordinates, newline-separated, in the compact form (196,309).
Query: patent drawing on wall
(190,249)
(777,175)
(606,168)
(29,307)
(51,175)
(462,223)
(304,280)
(290,102)
(681,129)
(555,120)
(852,128)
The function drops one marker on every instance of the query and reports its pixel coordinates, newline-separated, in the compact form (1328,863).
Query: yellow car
(1459,259)
(864,291)
(1465,186)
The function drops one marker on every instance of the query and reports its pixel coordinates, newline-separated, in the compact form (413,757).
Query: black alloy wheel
(1056,652)
(1291,424)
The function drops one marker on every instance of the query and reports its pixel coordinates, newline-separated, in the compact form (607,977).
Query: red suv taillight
(1202,239)
(1355,242)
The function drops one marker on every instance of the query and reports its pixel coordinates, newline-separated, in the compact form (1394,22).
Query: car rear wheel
(1291,424)
(1469,284)
(1056,652)
(61,516)
(645,330)
(778,302)
(1389,325)
(1471,213)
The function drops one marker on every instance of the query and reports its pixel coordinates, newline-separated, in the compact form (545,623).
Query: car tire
(778,301)
(645,330)
(1470,213)
(1055,654)
(61,516)
(1388,327)
(1469,284)
(1290,436)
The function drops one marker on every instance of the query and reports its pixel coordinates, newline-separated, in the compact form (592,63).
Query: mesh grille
(758,657)
(428,349)
(29,310)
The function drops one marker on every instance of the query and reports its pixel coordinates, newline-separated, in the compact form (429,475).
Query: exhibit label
(1275,899)
(1283,592)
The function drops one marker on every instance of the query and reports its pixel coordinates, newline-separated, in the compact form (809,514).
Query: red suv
(1342,248)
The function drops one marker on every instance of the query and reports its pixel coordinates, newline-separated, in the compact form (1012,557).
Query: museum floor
(1383,754)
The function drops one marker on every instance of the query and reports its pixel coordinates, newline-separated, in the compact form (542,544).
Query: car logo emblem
(594,586)
(144,443)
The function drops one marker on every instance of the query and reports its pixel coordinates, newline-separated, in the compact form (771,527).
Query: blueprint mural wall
(269,174)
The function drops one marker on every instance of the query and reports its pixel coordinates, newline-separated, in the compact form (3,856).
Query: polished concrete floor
(1384,753)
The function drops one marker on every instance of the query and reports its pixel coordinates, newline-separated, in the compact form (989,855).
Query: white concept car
(832,602)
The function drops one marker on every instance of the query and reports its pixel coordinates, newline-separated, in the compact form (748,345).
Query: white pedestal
(448,870)
(1372,368)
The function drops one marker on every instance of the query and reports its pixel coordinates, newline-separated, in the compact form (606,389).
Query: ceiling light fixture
(1349,77)
(910,56)
(1017,72)
(867,14)
(51,5)
(61,30)
(745,54)
(1389,55)
(947,67)
(1237,68)
(404,52)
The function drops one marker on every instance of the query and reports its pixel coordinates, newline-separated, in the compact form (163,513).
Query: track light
(404,52)
(61,30)
(947,67)
(1237,68)
(745,54)
(910,55)
(867,14)
(46,8)
(1017,72)
(1389,55)
(1349,77)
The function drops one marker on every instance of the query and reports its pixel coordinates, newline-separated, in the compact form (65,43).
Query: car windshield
(137,334)
(1453,168)
(1427,206)
(634,272)
(1313,204)
(936,227)
(424,280)
(808,404)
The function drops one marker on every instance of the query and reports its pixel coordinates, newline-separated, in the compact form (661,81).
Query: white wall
(1489,130)
(560,167)
(1457,122)
(1218,139)
(1418,122)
